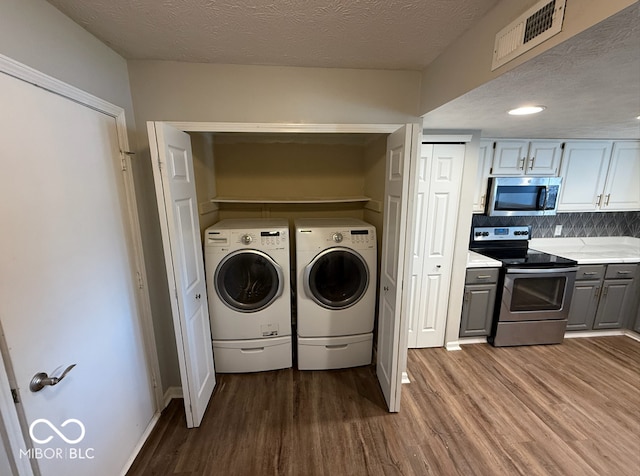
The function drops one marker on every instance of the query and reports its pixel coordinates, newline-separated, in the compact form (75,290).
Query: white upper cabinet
(520,157)
(583,172)
(600,176)
(485,155)
(622,187)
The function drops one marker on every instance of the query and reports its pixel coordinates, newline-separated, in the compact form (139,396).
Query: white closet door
(444,163)
(391,330)
(178,209)
(68,293)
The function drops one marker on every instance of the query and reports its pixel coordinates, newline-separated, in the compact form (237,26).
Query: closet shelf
(291,200)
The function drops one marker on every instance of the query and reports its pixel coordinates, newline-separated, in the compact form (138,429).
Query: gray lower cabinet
(479,301)
(586,293)
(603,297)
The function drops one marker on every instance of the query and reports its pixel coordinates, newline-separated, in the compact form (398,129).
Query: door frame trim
(320,128)
(41,80)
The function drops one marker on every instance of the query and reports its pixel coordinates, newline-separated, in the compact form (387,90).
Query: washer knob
(246,239)
(337,237)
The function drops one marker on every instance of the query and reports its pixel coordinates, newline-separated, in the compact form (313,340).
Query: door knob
(41,379)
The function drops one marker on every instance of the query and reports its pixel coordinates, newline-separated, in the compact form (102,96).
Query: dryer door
(337,278)
(248,280)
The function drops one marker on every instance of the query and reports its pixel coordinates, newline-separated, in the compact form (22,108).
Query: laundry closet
(281,175)
(332,285)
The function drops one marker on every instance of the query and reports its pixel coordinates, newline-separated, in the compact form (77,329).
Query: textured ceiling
(379,34)
(589,83)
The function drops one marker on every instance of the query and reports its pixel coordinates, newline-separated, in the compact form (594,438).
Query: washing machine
(248,285)
(336,263)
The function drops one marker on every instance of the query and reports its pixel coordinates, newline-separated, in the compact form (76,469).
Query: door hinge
(14,394)
(123,158)
(140,281)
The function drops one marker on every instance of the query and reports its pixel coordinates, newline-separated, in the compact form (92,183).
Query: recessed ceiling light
(523,111)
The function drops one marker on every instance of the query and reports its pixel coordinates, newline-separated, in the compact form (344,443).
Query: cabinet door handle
(605,290)
(524,159)
(606,202)
(531,163)
(598,200)
(482,200)
(596,295)
(590,273)
(483,276)
(624,272)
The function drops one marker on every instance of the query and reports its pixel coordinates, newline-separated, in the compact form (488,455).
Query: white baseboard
(170,394)
(472,340)
(454,345)
(632,334)
(141,442)
(405,377)
(603,333)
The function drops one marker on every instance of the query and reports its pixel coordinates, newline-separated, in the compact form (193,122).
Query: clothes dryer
(336,263)
(248,285)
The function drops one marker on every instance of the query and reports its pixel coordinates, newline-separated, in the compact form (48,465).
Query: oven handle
(541,270)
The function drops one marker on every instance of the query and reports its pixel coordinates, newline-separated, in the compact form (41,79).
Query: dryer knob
(337,237)
(246,239)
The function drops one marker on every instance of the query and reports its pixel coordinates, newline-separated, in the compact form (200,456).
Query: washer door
(248,280)
(337,278)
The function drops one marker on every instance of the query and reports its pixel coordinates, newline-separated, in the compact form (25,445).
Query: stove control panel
(500,233)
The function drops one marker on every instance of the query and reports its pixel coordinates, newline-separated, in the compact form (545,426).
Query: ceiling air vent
(534,26)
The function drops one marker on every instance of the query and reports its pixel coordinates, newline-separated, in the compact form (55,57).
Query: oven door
(531,294)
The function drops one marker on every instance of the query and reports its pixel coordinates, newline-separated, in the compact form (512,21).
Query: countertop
(591,250)
(476,260)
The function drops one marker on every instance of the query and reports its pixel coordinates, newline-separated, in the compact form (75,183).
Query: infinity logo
(56,431)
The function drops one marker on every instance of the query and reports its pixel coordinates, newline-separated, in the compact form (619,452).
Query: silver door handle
(41,379)
(531,163)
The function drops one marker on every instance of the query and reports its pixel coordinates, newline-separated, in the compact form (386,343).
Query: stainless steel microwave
(523,196)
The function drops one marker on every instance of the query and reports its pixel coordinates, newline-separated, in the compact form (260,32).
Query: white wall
(194,92)
(35,33)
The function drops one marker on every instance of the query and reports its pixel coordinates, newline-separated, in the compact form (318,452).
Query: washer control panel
(266,239)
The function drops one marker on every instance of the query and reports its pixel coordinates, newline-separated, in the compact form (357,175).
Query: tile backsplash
(573,224)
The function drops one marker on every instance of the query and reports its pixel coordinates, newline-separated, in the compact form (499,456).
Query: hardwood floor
(570,409)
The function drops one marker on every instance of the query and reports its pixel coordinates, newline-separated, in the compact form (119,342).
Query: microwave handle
(542,198)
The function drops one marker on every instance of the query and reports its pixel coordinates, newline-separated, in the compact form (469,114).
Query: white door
(444,164)
(392,327)
(67,288)
(178,209)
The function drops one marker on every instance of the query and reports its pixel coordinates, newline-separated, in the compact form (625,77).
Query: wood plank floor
(570,409)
